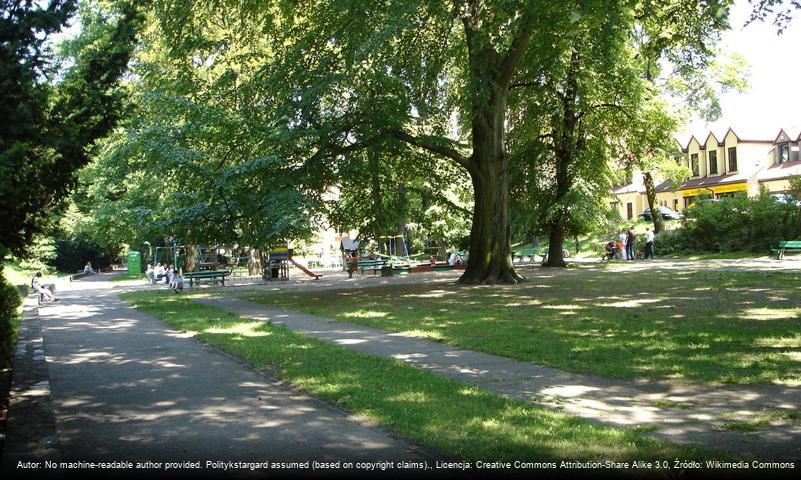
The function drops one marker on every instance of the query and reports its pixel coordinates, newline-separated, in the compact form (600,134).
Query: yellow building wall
(777,186)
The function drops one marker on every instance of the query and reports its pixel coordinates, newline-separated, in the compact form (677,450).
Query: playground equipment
(387,245)
(276,265)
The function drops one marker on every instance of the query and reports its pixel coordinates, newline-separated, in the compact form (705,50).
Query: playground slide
(305,270)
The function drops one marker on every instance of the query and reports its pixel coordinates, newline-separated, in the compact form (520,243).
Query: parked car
(667,213)
(785,198)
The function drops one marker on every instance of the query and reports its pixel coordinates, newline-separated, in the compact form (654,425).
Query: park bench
(207,277)
(524,252)
(402,269)
(792,245)
(364,265)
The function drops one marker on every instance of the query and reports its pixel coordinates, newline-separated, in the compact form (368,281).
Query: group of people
(171,277)
(623,248)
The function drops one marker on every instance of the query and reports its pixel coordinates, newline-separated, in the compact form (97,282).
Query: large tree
(429,75)
(52,119)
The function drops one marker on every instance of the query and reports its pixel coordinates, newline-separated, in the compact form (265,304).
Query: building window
(676,204)
(689,201)
(713,162)
(732,159)
(629,211)
(783,153)
(694,164)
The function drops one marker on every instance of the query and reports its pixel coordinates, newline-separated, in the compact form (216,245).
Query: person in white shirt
(41,289)
(623,239)
(151,276)
(649,244)
(157,272)
(453,258)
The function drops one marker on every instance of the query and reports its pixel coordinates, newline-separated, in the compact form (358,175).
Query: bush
(72,255)
(10,301)
(736,223)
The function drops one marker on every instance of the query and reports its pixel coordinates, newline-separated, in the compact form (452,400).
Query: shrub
(73,253)
(735,223)
(10,301)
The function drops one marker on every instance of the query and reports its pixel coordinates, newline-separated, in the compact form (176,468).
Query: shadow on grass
(703,326)
(455,418)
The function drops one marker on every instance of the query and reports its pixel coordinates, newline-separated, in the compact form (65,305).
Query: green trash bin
(134,263)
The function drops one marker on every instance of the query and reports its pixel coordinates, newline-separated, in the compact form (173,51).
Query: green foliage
(49,127)
(73,253)
(736,223)
(10,302)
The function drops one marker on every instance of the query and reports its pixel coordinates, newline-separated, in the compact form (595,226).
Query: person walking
(630,239)
(649,244)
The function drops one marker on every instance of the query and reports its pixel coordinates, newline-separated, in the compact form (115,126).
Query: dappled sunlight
(783,342)
(652,322)
(365,314)
(770,313)
(430,294)
(794,356)
(252,329)
(631,303)
(563,307)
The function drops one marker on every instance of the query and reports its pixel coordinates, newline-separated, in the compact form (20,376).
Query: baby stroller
(609,251)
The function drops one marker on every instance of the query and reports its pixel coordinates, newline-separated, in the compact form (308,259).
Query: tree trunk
(254,262)
(650,194)
(375,194)
(490,256)
(556,240)
(190,258)
(565,152)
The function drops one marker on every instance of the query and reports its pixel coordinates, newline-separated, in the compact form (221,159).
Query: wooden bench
(207,277)
(792,245)
(364,265)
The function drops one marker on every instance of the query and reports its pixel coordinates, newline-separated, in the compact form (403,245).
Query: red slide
(305,270)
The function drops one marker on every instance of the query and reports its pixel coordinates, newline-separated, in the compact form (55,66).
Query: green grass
(454,418)
(716,256)
(664,324)
(21,274)
(762,419)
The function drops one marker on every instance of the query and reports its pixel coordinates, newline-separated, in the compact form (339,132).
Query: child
(151,275)
(177,283)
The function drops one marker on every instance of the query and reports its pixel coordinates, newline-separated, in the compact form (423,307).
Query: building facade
(721,165)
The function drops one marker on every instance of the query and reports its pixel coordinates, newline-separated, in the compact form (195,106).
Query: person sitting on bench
(41,290)
(88,269)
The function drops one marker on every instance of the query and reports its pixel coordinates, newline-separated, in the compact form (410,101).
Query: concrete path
(681,413)
(125,386)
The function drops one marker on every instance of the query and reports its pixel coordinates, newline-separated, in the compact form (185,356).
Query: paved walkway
(125,386)
(680,413)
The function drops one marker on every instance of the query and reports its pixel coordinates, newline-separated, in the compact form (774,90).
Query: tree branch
(516,51)
(430,146)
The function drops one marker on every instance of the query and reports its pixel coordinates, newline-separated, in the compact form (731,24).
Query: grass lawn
(454,418)
(696,325)
(17,274)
